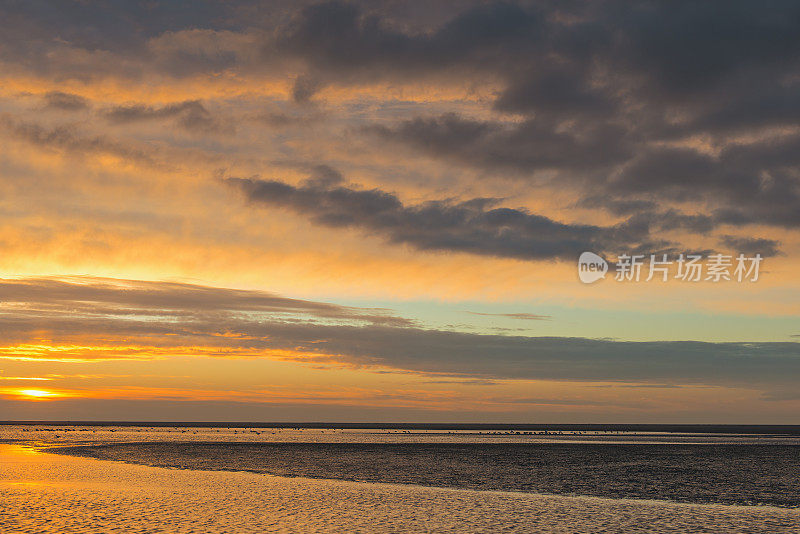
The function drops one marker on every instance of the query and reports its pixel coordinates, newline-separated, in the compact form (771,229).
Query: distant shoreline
(793,430)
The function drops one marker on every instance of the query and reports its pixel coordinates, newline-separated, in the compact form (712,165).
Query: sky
(373,211)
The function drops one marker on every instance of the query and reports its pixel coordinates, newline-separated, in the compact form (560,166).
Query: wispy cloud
(190,115)
(522,316)
(152,319)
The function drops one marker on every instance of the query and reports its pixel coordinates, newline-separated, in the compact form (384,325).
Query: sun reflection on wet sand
(24,450)
(21,460)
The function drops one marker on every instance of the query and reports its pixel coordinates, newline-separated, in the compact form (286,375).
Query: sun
(32,394)
(37,393)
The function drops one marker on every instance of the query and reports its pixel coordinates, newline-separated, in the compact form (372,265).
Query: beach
(399,266)
(43,492)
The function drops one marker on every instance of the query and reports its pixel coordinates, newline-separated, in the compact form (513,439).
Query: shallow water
(76,434)
(47,493)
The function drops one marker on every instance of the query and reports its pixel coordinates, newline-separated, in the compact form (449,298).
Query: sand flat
(47,493)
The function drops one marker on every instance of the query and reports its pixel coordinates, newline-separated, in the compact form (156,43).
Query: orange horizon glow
(37,393)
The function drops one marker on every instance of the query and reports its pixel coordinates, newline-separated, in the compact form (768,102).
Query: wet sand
(47,493)
(744,475)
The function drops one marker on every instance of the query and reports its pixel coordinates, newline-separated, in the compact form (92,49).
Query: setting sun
(37,393)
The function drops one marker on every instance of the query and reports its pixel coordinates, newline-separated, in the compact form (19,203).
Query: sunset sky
(373,211)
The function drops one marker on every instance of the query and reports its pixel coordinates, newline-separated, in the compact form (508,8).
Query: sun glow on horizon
(37,393)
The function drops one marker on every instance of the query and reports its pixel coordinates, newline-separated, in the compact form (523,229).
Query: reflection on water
(84,495)
(24,450)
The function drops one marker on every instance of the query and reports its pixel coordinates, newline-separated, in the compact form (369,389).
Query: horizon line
(714,428)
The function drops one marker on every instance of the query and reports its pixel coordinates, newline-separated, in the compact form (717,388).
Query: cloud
(755,365)
(124,318)
(474,226)
(87,41)
(68,138)
(557,58)
(343,40)
(190,115)
(599,87)
(752,245)
(606,99)
(528,146)
(65,101)
(754,182)
(304,88)
(98,296)
(523,316)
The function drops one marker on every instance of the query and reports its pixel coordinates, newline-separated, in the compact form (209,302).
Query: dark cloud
(280,119)
(752,245)
(574,57)
(673,220)
(599,86)
(773,105)
(529,146)
(691,48)
(190,115)
(256,323)
(65,101)
(618,206)
(89,40)
(68,138)
(557,91)
(754,183)
(650,217)
(342,40)
(466,382)
(475,226)
(304,88)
